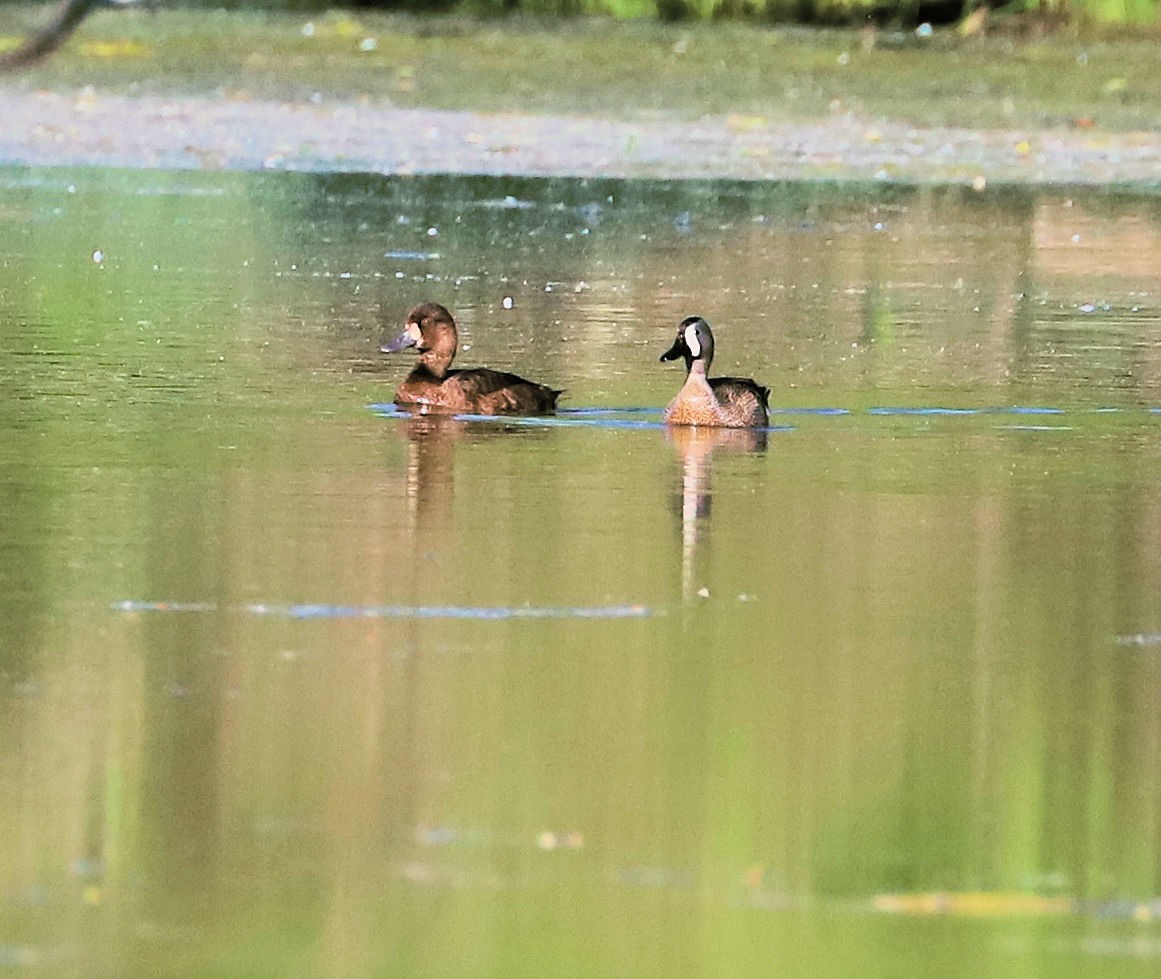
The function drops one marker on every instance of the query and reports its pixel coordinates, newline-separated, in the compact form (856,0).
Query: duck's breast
(724,402)
(694,404)
(424,390)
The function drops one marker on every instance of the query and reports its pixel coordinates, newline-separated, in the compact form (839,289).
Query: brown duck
(433,386)
(723,402)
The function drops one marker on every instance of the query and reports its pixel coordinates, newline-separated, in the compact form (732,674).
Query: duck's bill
(405,339)
(677,350)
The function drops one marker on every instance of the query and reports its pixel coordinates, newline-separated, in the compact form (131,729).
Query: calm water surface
(292,685)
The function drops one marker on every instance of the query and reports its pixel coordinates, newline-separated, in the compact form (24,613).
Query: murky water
(293,685)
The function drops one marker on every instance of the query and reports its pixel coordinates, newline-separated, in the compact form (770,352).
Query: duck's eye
(692,341)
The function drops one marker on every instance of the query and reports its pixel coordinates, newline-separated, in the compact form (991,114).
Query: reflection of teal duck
(433,386)
(723,402)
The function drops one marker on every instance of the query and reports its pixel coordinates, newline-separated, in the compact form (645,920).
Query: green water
(581,698)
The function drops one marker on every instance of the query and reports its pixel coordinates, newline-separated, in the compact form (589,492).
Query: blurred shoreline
(88,128)
(396,94)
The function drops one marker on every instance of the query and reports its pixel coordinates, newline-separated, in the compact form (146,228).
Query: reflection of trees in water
(590,264)
(854,288)
(937,286)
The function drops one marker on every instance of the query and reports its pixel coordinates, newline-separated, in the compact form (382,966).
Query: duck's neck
(437,359)
(696,381)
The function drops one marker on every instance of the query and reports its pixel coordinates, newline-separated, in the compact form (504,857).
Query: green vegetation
(813,12)
(618,69)
(1095,11)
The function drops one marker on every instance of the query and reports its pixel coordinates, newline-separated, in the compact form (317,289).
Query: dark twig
(50,37)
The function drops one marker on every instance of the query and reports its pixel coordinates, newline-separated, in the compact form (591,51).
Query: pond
(292,684)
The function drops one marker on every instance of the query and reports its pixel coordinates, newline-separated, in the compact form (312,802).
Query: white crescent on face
(692,341)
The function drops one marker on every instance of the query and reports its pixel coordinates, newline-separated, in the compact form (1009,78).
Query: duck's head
(431,329)
(694,343)
(425,324)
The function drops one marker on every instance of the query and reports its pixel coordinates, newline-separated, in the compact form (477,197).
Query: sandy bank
(92,129)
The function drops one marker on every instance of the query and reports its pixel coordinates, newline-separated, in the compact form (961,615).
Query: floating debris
(408,255)
(570,840)
(1140,639)
(507,203)
(975,904)
(998,904)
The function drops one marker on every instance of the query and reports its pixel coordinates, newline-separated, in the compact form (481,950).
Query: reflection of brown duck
(430,484)
(722,402)
(432,439)
(433,386)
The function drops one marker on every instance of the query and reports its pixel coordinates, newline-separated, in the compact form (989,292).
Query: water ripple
(324,611)
(650,418)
